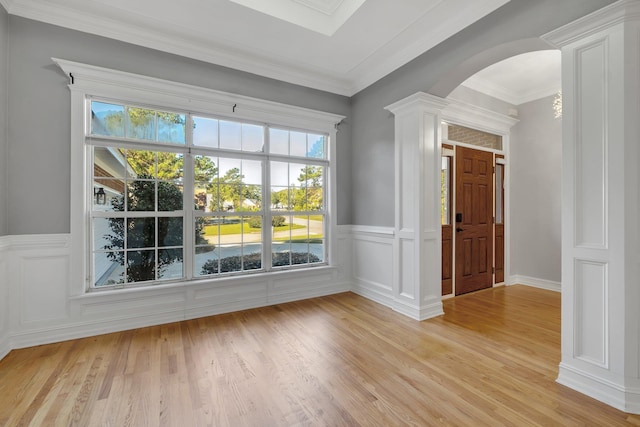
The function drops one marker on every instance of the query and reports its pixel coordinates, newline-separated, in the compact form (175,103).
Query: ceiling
(521,78)
(340,46)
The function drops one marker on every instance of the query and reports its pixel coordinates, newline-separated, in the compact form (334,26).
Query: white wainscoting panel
(43,296)
(39,307)
(591,312)
(591,149)
(373,263)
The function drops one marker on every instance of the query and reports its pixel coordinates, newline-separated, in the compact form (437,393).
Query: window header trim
(98,81)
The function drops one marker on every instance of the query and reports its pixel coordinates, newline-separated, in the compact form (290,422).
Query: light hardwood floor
(339,360)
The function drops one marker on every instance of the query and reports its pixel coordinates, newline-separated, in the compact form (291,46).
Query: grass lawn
(226,229)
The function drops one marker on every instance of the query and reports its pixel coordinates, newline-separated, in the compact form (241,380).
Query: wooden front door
(473,220)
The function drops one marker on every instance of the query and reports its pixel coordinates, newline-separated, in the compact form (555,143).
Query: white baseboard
(535,283)
(5,348)
(373,292)
(429,311)
(625,399)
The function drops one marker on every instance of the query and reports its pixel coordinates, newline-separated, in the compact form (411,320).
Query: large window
(178,195)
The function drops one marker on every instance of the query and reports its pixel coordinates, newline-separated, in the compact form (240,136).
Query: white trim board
(535,282)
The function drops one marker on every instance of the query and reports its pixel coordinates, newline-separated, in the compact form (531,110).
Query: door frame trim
(474,117)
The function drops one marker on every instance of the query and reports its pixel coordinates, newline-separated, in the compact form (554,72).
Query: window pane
(108,268)
(141,266)
(252,138)
(141,123)
(298,144)
(280,198)
(252,172)
(474,137)
(170,263)
(445,196)
(279,174)
(141,232)
(251,198)
(205,132)
(316,238)
(297,174)
(108,233)
(141,196)
(230,135)
(210,233)
(205,169)
(170,196)
(499,194)
(281,241)
(108,195)
(252,256)
(316,146)
(107,119)
(279,141)
(230,258)
(142,164)
(108,163)
(206,261)
(171,127)
(170,166)
(170,231)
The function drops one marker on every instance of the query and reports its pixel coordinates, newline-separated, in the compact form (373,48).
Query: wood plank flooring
(339,360)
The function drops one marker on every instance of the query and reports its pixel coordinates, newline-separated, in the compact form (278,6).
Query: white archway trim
(471,116)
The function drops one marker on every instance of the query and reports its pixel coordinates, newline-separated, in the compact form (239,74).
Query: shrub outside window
(178,195)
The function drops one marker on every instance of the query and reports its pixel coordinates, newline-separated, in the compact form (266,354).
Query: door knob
(459,229)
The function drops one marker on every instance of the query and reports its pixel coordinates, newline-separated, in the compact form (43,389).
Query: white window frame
(90,81)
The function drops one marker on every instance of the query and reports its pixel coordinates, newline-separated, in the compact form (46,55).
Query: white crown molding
(407,45)
(516,98)
(608,16)
(368,72)
(190,45)
(7,4)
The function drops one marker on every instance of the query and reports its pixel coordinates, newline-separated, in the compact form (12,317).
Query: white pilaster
(600,212)
(417,249)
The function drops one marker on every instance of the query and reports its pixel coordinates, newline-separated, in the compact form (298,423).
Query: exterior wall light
(100,196)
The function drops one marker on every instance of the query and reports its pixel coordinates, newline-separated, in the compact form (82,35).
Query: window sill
(247,279)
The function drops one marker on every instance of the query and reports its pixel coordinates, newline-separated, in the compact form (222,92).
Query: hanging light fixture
(100,196)
(557,105)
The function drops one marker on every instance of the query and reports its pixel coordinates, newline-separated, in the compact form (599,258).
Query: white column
(600,212)
(417,247)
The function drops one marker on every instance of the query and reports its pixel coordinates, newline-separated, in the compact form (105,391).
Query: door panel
(474,233)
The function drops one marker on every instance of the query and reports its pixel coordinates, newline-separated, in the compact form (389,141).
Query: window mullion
(188,177)
(267,229)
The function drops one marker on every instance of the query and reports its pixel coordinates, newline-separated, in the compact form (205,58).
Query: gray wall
(39,130)
(4,174)
(373,127)
(535,162)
